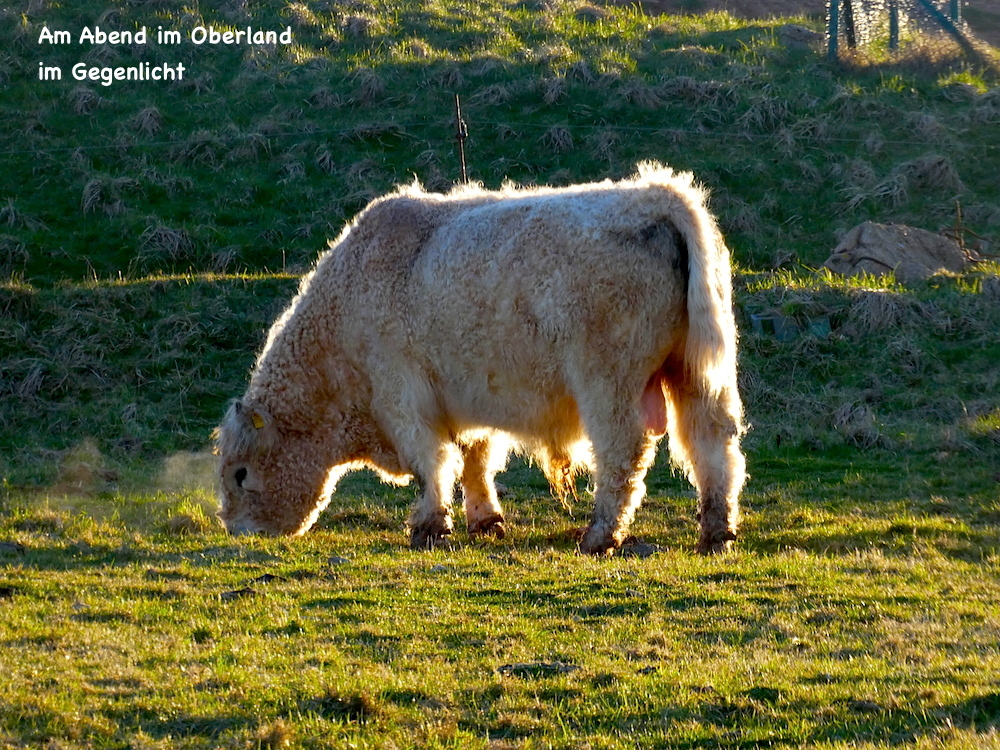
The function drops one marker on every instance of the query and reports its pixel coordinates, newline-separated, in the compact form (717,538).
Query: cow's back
(507,304)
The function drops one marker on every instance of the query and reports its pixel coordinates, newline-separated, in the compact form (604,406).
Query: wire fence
(935,27)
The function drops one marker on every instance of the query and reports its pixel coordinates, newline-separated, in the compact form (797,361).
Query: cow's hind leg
(483,458)
(704,440)
(623,452)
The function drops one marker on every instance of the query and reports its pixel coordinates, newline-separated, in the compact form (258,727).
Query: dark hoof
(717,543)
(599,543)
(429,538)
(491,525)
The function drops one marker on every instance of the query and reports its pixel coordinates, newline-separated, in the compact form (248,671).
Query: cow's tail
(710,349)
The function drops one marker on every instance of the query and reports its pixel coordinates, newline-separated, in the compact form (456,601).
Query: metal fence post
(893,24)
(833,31)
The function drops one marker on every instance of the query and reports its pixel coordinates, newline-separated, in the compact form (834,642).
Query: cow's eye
(240,476)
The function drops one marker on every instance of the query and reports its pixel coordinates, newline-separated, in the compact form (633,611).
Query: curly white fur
(576,324)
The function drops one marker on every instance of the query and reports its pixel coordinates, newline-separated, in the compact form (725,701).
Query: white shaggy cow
(577,325)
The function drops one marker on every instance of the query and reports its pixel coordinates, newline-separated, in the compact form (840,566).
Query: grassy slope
(862,606)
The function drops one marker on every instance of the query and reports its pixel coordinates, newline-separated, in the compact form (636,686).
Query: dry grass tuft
(856,424)
(552,89)
(603,144)
(638,93)
(14,255)
(991,288)
(765,114)
(12,216)
(250,146)
(927,126)
(874,142)
(582,72)
(879,310)
(148,121)
(552,55)
(368,87)
(362,169)
(202,146)
(325,160)
(275,735)
(692,90)
(591,14)
(223,260)
(492,95)
(739,216)
(361,27)
(932,172)
(302,16)
(374,131)
(417,48)
(291,171)
(357,707)
(187,524)
(325,98)
(83,100)
(558,138)
(204,82)
(893,191)
(160,242)
(106,194)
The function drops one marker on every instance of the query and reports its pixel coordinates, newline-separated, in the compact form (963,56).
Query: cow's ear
(252,416)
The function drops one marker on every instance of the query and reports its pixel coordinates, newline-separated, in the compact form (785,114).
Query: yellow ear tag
(257,419)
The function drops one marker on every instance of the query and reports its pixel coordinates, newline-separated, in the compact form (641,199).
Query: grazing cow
(577,325)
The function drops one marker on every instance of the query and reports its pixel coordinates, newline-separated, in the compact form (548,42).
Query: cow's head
(273,480)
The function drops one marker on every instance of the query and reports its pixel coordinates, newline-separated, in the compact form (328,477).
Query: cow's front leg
(482,459)
(430,521)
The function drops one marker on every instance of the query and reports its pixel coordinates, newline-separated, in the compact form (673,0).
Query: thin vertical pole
(833,32)
(955,11)
(461,133)
(893,24)
(849,28)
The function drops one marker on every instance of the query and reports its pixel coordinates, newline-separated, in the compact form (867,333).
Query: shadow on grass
(75,556)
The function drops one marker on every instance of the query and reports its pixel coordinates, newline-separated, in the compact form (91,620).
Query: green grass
(259,155)
(150,233)
(842,621)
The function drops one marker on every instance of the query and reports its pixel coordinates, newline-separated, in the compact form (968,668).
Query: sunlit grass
(144,633)
(151,234)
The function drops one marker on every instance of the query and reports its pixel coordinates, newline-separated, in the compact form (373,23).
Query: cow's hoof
(717,543)
(597,542)
(491,525)
(429,537)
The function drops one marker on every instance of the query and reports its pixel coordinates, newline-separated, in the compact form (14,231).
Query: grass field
(149,233)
